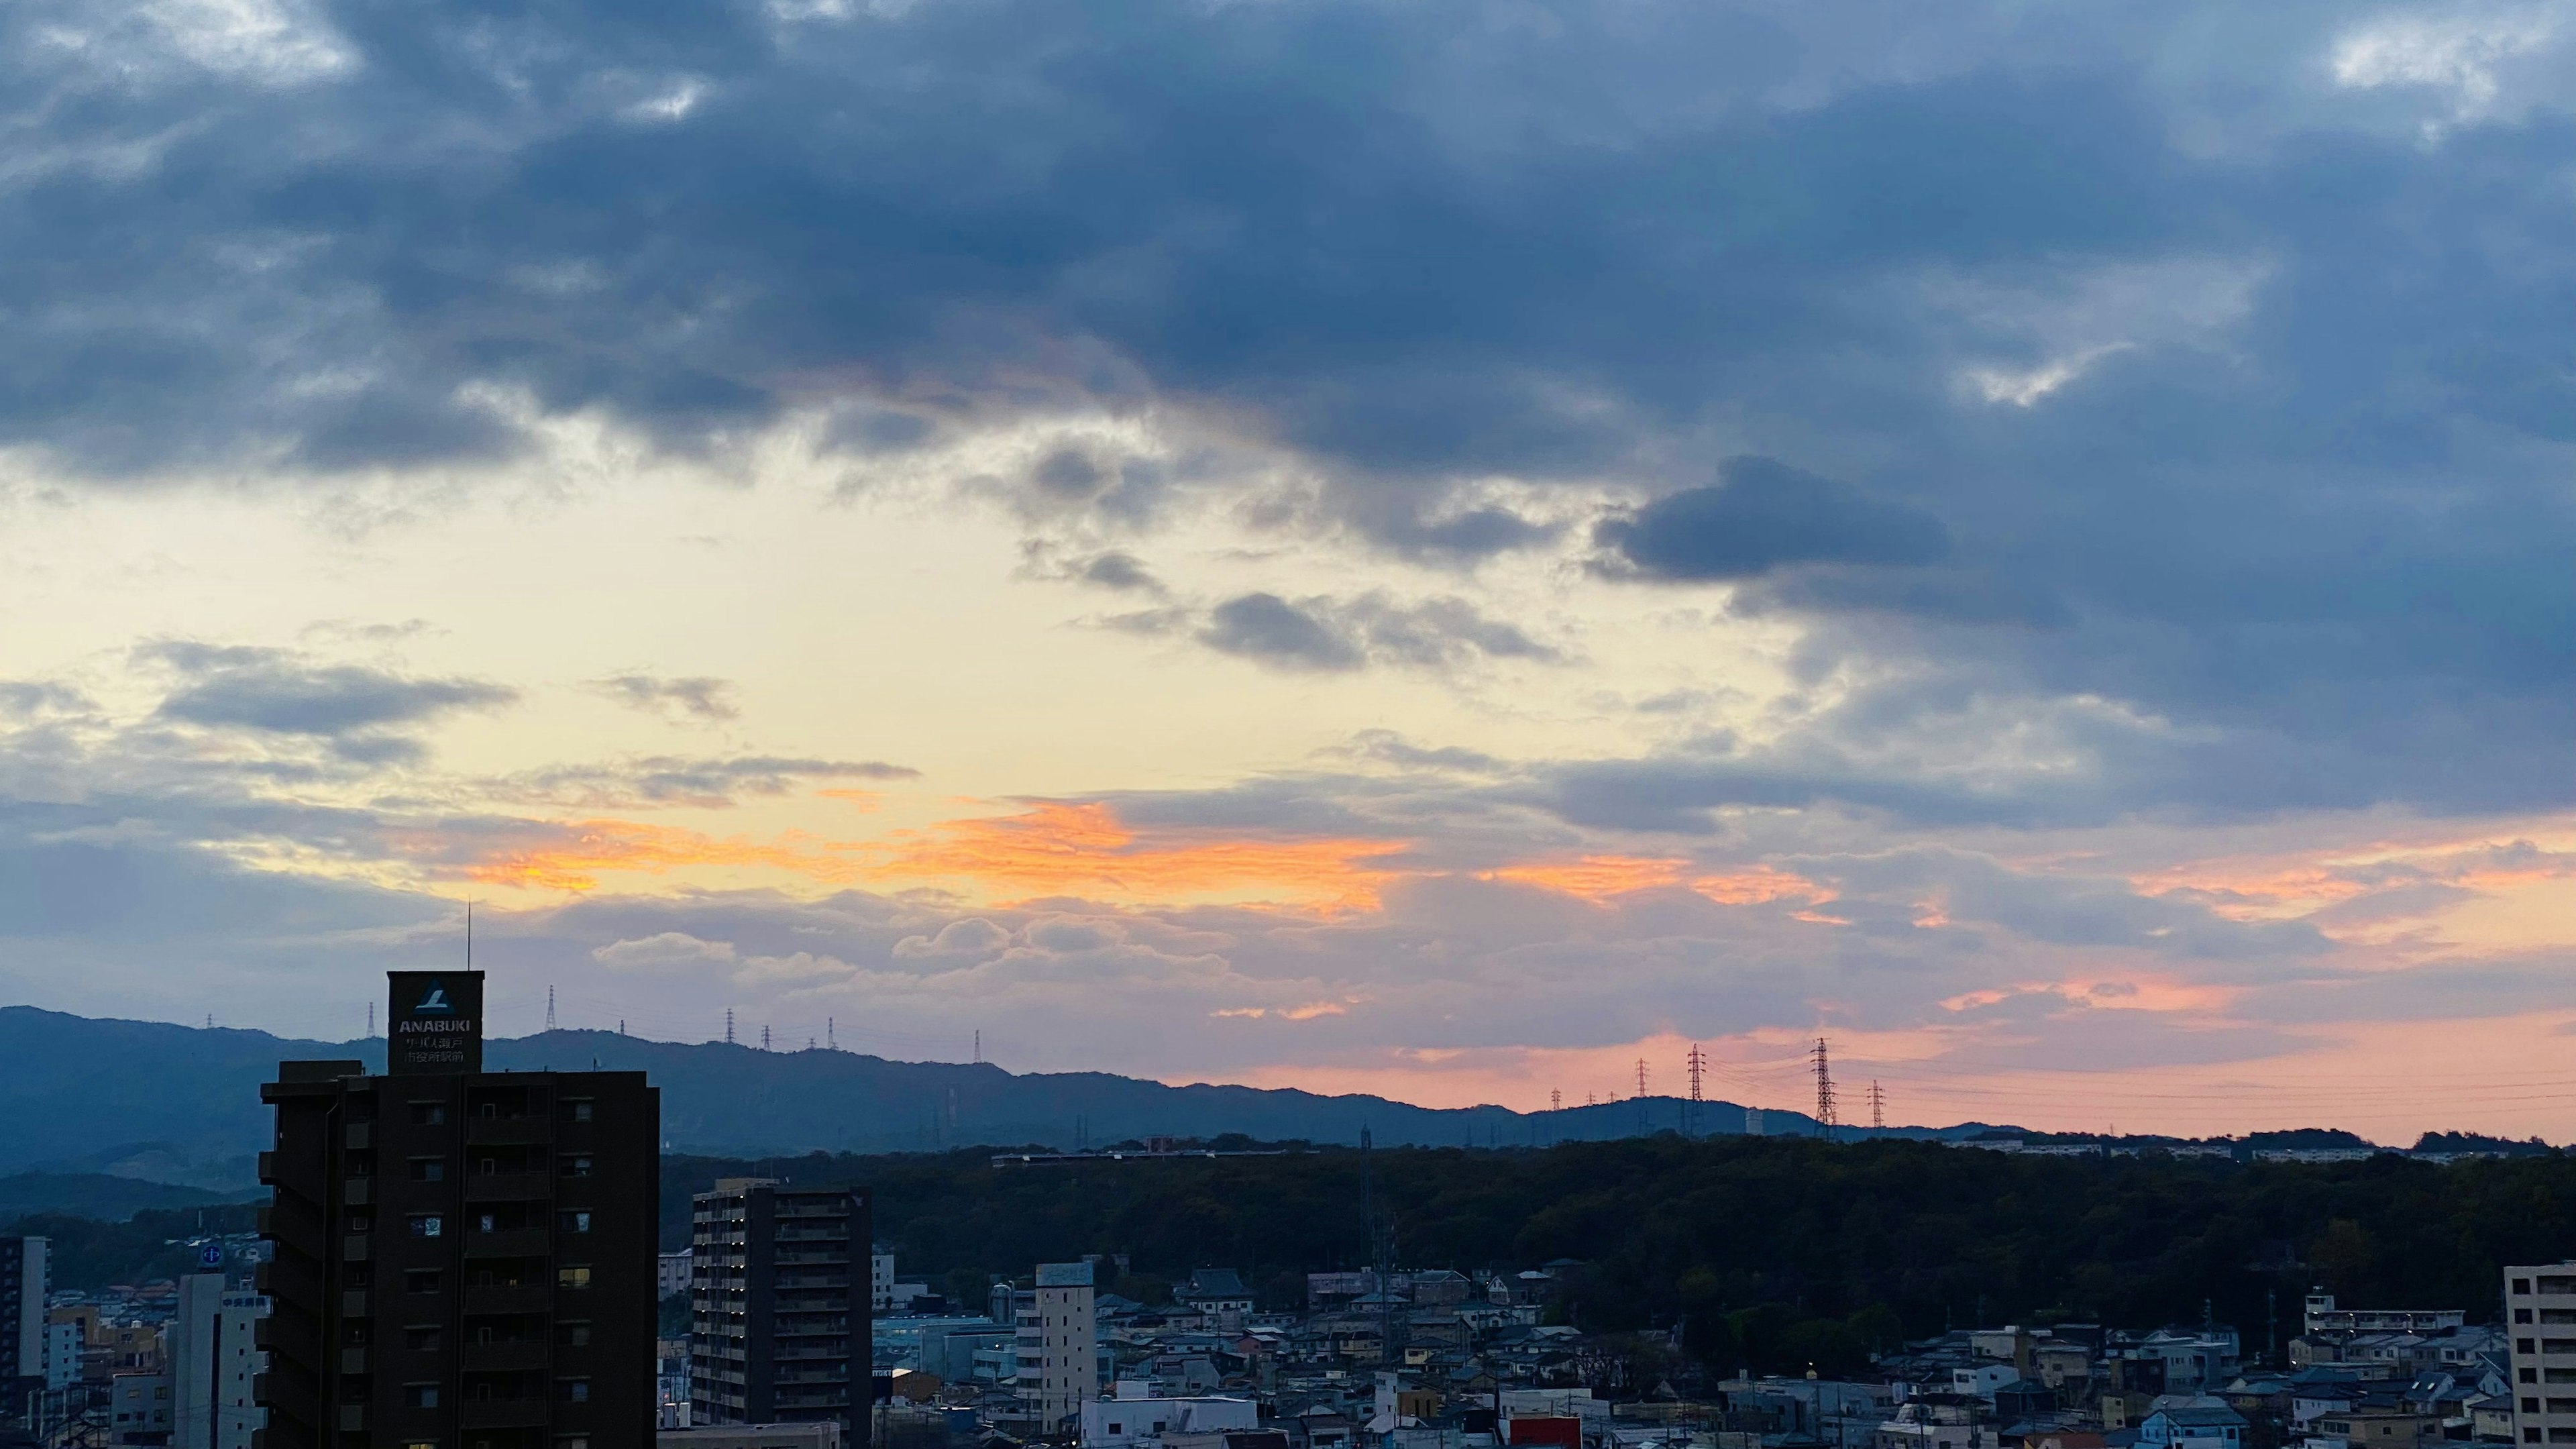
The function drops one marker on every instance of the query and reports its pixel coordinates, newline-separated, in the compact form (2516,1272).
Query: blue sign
(211,1256)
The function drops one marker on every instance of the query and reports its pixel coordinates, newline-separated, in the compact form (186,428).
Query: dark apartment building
(22,1313)
(462,1259)
(779,1296)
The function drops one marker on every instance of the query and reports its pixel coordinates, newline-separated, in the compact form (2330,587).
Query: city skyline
(1435,551)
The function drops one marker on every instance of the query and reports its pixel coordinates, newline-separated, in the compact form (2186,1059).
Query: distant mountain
(170,1103)
(95,1195)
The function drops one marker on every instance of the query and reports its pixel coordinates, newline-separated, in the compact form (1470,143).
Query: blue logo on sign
(435,1000)
(211,1255)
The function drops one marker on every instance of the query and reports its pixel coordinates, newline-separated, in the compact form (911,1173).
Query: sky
(1449,549)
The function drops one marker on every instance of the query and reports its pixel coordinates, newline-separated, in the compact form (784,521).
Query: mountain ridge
(164,1102)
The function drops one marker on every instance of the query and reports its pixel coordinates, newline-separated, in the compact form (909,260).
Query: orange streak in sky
(1052,849)
(1599,878)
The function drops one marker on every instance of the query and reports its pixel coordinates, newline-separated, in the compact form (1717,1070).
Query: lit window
(427,1225)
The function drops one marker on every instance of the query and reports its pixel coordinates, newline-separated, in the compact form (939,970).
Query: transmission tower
(1825,1119)
(764,1038)
(1555,1099)
(1877,1105)
(1698,1063)
(550,1008)
(1641,1078)
(728,1026)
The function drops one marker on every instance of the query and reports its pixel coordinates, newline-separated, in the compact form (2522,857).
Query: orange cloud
(1600,878)
(1059,849)
(1052,849)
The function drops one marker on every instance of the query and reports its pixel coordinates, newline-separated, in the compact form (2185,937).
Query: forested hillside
(1774,1252)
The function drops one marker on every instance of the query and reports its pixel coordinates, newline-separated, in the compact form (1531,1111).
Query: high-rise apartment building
(213,1360)
(779,1306)
(2540,1312)
(1059,1340)
(462,1259)
(23,1283)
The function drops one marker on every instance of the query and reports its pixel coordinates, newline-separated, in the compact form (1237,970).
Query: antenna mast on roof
(469,933)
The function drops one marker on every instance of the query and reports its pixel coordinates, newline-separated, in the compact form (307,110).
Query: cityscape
(1288,724)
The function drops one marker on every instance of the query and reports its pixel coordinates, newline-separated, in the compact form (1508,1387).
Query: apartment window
(576,1164)
(427,1225)
(572,1276)
(573,1391)
(2562,1406)
(2524,1345)
(2522,1285)
(420,1444)
(572,1222)
(2522,1315)
(421,1396)
(421,1280)
(575,1334)
(2558,1345)
(2530,1376)
(2531,1406)
(429,1169)
(362,1222)
(428,1114)
(572,1441)
(2562,1436)
(577,1110)
(2531,1436)
(2557,1285)
(421,1336)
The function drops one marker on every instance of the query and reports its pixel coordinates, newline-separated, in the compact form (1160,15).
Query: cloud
(662,949)
(1768,515)
(357,709)
(697,697)
(1329,634)
(705,783)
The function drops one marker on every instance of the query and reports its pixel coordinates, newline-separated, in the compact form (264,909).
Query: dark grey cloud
(1342,634)
(2237,396)
(1766,515)
(361,711)
(698,697)
(708,783)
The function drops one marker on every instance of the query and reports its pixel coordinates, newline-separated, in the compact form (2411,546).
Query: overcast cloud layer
(2128,437)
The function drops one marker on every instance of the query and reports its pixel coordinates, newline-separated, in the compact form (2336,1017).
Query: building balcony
(510,1243)
(515,1356)
(508,1131)
(479,1301)
(530,1413)
(268,1169)
(508,1187)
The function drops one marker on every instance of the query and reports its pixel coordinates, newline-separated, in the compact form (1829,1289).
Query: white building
(138,1409)
(212,1360)
(62,1355)
(671,1274)
(1132,1420)
(2540,1306)
(881,1280)
(1059,1343)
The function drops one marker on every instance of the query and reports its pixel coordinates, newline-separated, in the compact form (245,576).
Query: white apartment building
(2540,1312)
(1059,1343)
(212,1360)
(1136,1419)
(881,1280)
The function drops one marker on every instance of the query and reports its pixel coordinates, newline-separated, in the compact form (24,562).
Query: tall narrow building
(23,1284)
(212,1354)
(779,1298)
(1059,1344)
(461,1259)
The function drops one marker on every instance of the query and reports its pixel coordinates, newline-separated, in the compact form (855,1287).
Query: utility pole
(1825,1120)
(1877,1105)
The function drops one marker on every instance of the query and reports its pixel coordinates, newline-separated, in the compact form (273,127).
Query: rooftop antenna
(469,933)
(1825,1121)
